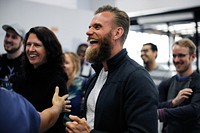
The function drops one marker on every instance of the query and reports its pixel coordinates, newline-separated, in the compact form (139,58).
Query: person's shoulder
(165,71)
(132,67)
(196,76)
(29,117)
(81,79)
(166,83)
(134,64)
(3,56)
(13,98)
(10,93)
(7,93)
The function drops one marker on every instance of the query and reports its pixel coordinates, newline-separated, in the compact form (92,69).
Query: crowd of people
(98,88)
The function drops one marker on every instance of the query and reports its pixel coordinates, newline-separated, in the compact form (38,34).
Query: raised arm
(50,115)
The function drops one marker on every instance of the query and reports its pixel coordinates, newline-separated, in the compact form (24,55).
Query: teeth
(93,41)
(32,55)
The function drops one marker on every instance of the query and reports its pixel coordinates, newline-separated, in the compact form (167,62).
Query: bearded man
(121,96)
(10,62)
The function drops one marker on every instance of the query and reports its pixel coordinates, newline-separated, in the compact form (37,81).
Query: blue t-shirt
(17,115)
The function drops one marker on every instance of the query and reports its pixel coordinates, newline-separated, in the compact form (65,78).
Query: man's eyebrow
(145,49)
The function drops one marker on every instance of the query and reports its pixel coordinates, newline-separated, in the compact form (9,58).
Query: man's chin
(9,51)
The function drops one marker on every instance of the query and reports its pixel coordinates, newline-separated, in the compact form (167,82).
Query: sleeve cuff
(169,105)
(161,115)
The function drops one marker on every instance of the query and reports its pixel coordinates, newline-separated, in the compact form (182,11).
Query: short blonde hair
(185,42)
(121,18)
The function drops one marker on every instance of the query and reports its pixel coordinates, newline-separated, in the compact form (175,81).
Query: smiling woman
(35,51)
(43,71)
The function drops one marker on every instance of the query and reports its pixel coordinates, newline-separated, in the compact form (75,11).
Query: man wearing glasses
(179,97)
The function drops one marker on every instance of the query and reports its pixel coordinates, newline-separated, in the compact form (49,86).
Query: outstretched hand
(50,115)
(61,102)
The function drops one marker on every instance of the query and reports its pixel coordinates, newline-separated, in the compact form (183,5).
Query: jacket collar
(112,63)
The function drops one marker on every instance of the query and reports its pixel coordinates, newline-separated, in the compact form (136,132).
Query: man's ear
(193,56)
(118,33)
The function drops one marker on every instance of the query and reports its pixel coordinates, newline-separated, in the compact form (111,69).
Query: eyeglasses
(179,55)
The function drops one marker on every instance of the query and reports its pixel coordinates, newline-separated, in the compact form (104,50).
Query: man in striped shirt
(158,73)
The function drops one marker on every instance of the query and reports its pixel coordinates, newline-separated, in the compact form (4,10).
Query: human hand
(61,102)
(182,95)
(77,125)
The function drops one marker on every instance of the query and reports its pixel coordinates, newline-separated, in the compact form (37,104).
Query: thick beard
(101,53)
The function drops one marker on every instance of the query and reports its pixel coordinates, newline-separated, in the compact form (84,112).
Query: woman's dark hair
(55,56)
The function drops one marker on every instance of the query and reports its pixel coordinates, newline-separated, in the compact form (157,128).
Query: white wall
(72,24)
(143,7)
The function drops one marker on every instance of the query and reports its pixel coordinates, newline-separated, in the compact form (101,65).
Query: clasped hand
(78,125)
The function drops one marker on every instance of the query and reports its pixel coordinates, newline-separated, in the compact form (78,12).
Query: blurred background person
(75,83)
(10,62)
(149,53)
(43,71)
(86,69)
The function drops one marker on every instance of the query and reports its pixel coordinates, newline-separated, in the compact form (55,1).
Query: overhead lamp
(165,18)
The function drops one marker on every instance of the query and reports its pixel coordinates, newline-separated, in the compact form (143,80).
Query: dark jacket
(184,118)
(127,101)
(38,88)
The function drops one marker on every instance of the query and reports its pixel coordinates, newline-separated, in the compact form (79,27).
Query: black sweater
(184,118)
(39,86)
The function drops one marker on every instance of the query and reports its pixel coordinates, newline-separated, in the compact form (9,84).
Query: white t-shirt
(92,98)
